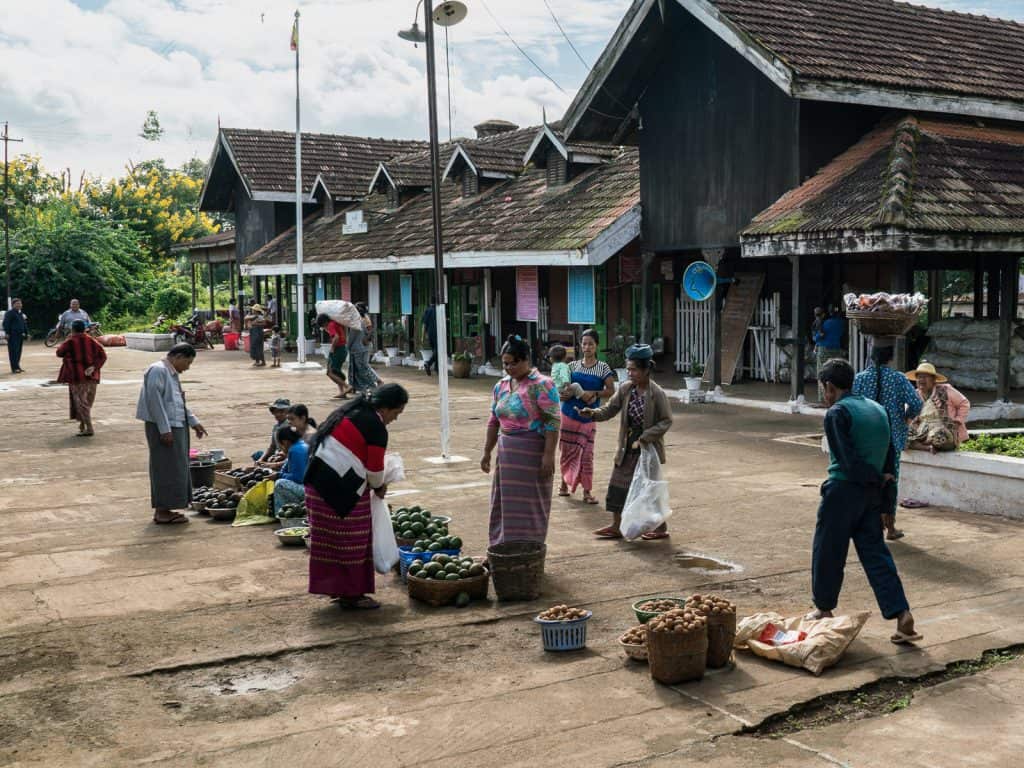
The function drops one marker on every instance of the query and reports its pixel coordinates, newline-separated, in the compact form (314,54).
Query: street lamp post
(447,14)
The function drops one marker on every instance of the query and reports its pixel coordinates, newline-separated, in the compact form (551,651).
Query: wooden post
(232,266)
(902,282)
(646,259)
(714,257)
(192,273)
(209,269)
(979,289)
(936,279)
(993,290)
(798,323)
(1007,294)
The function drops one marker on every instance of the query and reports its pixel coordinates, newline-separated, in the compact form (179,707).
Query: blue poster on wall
(406,284)
(581,296)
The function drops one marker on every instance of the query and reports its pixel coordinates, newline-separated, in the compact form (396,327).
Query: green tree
(60,251)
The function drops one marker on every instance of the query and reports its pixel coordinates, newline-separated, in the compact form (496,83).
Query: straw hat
(256,308)
(926,367)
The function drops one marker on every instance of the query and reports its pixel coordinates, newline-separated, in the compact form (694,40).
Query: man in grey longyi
(163,408)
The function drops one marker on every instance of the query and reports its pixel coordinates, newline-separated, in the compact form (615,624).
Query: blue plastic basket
(564,635)
(406,557)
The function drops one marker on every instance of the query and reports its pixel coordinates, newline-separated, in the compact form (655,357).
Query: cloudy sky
(79,75)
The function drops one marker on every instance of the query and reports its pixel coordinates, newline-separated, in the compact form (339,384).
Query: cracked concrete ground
(123,643)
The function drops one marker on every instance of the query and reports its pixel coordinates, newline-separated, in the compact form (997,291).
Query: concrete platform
(123,643)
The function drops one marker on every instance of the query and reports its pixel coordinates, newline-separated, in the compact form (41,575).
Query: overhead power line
(560,29)
(520,48)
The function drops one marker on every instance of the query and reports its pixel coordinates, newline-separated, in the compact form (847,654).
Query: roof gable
(872,52)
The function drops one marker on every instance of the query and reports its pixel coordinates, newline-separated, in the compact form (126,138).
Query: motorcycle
(58,333)
(192,332)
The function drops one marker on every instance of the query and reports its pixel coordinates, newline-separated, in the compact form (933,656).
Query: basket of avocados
(443,580)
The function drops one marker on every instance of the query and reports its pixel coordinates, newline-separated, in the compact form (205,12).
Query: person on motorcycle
(68,316)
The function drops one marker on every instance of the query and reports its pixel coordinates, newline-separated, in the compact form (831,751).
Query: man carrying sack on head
(851,502)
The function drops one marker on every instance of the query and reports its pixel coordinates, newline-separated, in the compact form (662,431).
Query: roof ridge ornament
(899,175)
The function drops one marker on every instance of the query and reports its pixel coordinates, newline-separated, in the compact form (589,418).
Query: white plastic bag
(385,548)
(340,311)
(647,501)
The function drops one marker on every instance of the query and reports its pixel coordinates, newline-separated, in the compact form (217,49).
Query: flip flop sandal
(895,536)
(608,533)
(179,518)
(901,639)
(654,535)
(590,500)
(564,493)
(913,504)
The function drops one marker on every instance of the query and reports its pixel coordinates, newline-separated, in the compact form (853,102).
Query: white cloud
(77,83)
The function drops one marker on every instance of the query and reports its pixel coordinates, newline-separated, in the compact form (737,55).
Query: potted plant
(462,362)
(696,377)
(615,354)
(393,333)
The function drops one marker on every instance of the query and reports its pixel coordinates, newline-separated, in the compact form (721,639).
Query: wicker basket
(677,658)
(438,593)
(882,323)
(518,569)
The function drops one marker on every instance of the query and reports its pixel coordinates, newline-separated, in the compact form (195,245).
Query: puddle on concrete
(704,563)
(252,682)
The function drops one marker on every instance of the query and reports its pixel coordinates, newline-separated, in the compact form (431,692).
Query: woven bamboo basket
(721,635)
(882,323)
(438,593)
(518,568)
(677,658)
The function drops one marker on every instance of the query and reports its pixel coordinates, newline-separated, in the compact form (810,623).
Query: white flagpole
(299,281)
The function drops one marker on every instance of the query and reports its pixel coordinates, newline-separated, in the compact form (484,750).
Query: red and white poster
(527,295)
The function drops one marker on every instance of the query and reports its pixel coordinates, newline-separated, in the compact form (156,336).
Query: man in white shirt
(68,316)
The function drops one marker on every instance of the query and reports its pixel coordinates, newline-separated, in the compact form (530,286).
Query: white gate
(860,349)
(763,356)
(693,332)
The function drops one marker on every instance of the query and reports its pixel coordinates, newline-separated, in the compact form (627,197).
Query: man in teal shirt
(851,503)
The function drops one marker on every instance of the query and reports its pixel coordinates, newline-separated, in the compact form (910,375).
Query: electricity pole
(7,224)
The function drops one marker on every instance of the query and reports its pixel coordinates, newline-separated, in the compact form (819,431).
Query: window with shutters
(557,170)
(470,183)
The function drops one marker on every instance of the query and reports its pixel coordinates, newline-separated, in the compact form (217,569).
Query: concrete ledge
(149,342)
(971,482)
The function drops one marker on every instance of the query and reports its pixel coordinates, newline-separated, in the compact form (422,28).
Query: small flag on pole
(295,34)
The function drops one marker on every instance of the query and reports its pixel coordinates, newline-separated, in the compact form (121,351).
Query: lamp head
(414,34)
(450,13)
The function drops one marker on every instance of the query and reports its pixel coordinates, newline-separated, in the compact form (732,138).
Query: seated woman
(305,425)
(288,486)
(942,423)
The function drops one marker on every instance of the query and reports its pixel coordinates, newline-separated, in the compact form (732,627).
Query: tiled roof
(226,237)
(520,214)
(918,175)
(887,43)
(266,159)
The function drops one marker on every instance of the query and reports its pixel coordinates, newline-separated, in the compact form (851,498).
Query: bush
(171,301)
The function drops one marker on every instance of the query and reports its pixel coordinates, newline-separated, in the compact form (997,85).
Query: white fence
(859,347)
(762,356)
(693,332)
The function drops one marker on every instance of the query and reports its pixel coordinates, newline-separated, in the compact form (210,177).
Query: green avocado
(462,600)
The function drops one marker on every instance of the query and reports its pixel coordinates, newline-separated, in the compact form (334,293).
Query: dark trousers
(14,343)
(432,362)
(852,511)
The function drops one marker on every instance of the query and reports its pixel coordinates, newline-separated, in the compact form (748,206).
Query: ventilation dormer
(400,180)
(562,161)
(479,166)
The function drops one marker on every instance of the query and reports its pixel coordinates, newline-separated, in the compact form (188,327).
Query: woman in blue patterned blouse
(894,392)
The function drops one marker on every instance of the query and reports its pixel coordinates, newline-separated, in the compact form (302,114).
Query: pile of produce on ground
(563,628)
(967,351)
(296,511)
(710,605)
(416,527)
(247,477)
(220,498)
(658,605)
(678,620)
(443,580)
(563,613)
(293,536)
(1001,445)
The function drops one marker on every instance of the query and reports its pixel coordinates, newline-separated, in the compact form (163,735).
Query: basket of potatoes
(721,618)
(634,642)
(563,628)
(677,646)
(650,607)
